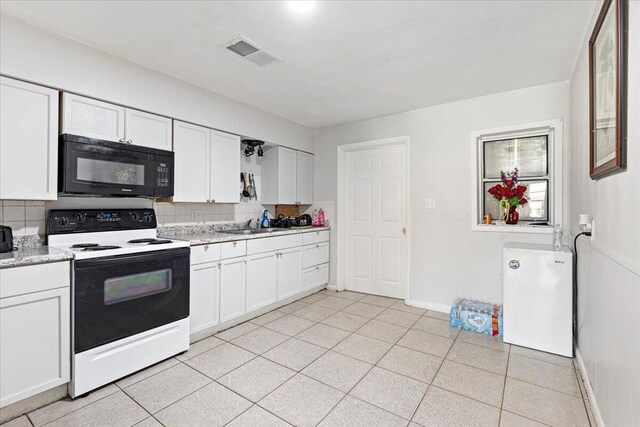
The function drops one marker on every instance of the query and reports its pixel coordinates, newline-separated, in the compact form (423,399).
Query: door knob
(404,230)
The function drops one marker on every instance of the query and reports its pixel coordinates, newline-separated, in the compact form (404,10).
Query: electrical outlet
(196,215)
(430,203)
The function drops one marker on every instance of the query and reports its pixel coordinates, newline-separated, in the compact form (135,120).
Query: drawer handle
(206,248)
(317,268)
(219,264)
(317,246)
(235,244)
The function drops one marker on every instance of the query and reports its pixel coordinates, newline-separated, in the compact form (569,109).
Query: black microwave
(93,167)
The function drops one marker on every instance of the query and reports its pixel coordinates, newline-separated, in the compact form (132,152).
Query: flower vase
(512,216)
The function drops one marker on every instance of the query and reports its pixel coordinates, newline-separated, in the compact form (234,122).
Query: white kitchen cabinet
(147,130)
(28,141)
(262,280)
(225,167)
(315,276)
(289,272)
(191,170)
(305,178)
(232,288)
(92,118)
(287,177)
(204,296)
(34,330)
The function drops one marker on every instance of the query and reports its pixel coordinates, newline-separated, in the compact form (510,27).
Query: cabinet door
(287,179)
(225,167)
(191,149)
(204,296)
(28,141)
(147,129)
(289,272)
(91,118)
(305,178)
(232,288)
(34,343)
(262,280)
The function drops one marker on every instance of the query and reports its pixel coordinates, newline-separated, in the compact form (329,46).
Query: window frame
(553,129)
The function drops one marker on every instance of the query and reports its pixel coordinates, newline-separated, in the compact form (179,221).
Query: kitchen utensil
(6,239)
(252,187)
(304,220)
(245,192)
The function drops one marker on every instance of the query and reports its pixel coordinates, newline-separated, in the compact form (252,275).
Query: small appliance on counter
(6,239)
(304,220)
(283,222)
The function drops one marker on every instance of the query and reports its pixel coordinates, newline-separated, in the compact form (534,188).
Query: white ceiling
(346,60)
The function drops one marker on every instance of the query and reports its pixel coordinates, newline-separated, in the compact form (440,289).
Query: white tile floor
(339,359)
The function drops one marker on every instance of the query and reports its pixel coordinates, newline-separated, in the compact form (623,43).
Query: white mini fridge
(538,297)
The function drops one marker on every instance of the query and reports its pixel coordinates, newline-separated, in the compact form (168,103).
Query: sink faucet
(248,224)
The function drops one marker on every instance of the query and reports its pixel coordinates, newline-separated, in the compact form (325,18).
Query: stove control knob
(147,218)
(62,221)
(80,218)
(135,216)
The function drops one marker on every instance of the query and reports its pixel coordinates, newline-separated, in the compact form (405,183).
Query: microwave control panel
(163,174)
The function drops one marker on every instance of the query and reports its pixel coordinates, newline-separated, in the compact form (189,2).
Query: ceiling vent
(248,50)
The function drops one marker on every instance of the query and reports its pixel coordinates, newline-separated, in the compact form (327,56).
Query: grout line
(504,386)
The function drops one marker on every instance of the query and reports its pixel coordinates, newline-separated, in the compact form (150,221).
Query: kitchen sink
(249,231)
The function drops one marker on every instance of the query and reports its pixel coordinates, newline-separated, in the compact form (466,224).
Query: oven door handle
(156,255)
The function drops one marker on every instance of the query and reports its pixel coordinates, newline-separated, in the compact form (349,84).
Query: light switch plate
(430,203)
(196,215)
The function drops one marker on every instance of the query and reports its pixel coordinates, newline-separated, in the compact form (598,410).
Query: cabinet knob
(213,200)
(317,268)
(317,246)
(235,244)
(129,141)
(206,248)
(122,140)
(219,264)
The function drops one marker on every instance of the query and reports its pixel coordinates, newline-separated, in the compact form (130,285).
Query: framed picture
(608,90)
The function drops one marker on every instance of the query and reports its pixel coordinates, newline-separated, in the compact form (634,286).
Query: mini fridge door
(538,297)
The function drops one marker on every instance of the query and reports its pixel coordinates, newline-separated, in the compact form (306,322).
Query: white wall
(32,54)
(448,259)
(609,267)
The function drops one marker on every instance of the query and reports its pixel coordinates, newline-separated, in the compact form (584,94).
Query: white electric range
(130,293)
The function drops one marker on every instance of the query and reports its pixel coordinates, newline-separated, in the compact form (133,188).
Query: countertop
(210,237)
(33,255)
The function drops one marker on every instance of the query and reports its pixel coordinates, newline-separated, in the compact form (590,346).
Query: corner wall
(448,259)
(609,267)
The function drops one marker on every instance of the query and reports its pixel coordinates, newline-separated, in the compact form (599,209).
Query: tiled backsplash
(23,217)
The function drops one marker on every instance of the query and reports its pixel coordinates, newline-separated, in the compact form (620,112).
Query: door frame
(404,140)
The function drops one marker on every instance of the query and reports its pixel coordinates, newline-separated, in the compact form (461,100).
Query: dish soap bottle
(264,222)
(321,218)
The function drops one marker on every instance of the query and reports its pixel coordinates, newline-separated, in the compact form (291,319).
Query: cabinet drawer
(205,253)
(256,246)
(315,276)
(34,278)
(315,237)
(315,254)
(233,249)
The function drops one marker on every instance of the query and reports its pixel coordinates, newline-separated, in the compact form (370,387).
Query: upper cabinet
(287,177)
(225,167)
(28,141)
(148,130)
(102,120)
(207,165)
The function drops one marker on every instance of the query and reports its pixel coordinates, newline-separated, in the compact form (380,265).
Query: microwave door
(105,171)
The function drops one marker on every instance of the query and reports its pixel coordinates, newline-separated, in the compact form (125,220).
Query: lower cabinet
(289,272)
(233,275)
(262,280)
(34,330)
(204,296)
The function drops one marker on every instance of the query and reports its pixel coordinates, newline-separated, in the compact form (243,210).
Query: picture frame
(608,90)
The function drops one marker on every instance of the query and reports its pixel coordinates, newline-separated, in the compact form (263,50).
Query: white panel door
(375,216)
(204,294)
(191,175)
(262,280)
(28,141)
(225,167)
(92,118)
(34,343)
(148,130)
(232,288)
(289,272)
(305,178)
(287,176)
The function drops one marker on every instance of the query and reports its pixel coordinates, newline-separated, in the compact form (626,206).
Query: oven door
(106,169)
(119,296)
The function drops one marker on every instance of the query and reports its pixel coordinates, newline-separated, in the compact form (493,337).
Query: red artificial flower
(523,201)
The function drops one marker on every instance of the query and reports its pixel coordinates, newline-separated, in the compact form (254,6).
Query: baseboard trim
(442,308)
(332,287)
(587,385)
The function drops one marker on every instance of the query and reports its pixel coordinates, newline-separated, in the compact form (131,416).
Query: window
(535,150)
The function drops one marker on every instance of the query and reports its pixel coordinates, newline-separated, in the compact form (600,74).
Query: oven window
(94,170)
(135,286)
